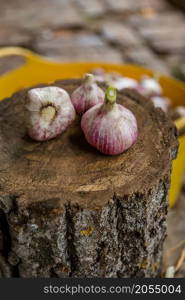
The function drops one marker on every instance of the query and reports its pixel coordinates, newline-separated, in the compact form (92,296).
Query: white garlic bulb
(149,87)
(49,112)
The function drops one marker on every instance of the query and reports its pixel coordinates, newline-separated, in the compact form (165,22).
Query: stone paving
(147,32)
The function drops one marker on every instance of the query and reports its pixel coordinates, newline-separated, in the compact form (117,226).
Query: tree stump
(71,211)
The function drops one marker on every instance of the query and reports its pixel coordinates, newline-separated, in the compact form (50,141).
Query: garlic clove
(87,95)
(149,87)
(110,127)
(161,102)
(49,112)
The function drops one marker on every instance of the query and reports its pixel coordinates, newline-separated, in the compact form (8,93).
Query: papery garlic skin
(87,95)
(149,87)
(120,82)
(110,128)
(49,112)
(99,74)
(161,102)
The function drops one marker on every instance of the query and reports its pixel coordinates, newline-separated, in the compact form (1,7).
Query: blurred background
(146,32)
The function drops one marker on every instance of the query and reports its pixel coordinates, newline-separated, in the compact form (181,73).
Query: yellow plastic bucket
(38,70)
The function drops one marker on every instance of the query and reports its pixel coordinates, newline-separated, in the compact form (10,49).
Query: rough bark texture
(69,211)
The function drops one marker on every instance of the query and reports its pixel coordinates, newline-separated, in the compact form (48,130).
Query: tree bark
(73,212)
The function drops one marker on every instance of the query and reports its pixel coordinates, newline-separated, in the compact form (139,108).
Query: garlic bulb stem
(110,95)
(89,79)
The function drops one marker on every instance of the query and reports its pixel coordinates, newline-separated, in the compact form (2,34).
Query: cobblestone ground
(147,32)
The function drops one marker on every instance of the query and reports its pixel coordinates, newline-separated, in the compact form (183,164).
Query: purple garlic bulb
(87,95)
(49,112)
(110,127)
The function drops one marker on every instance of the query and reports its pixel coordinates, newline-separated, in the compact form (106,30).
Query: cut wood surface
(74,212)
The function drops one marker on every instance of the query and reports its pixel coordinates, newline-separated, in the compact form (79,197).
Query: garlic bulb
(87,95)
(161,102)
(49,112)
(149,87)
(110,127)
(119,82)
(99,74)
(180,110)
